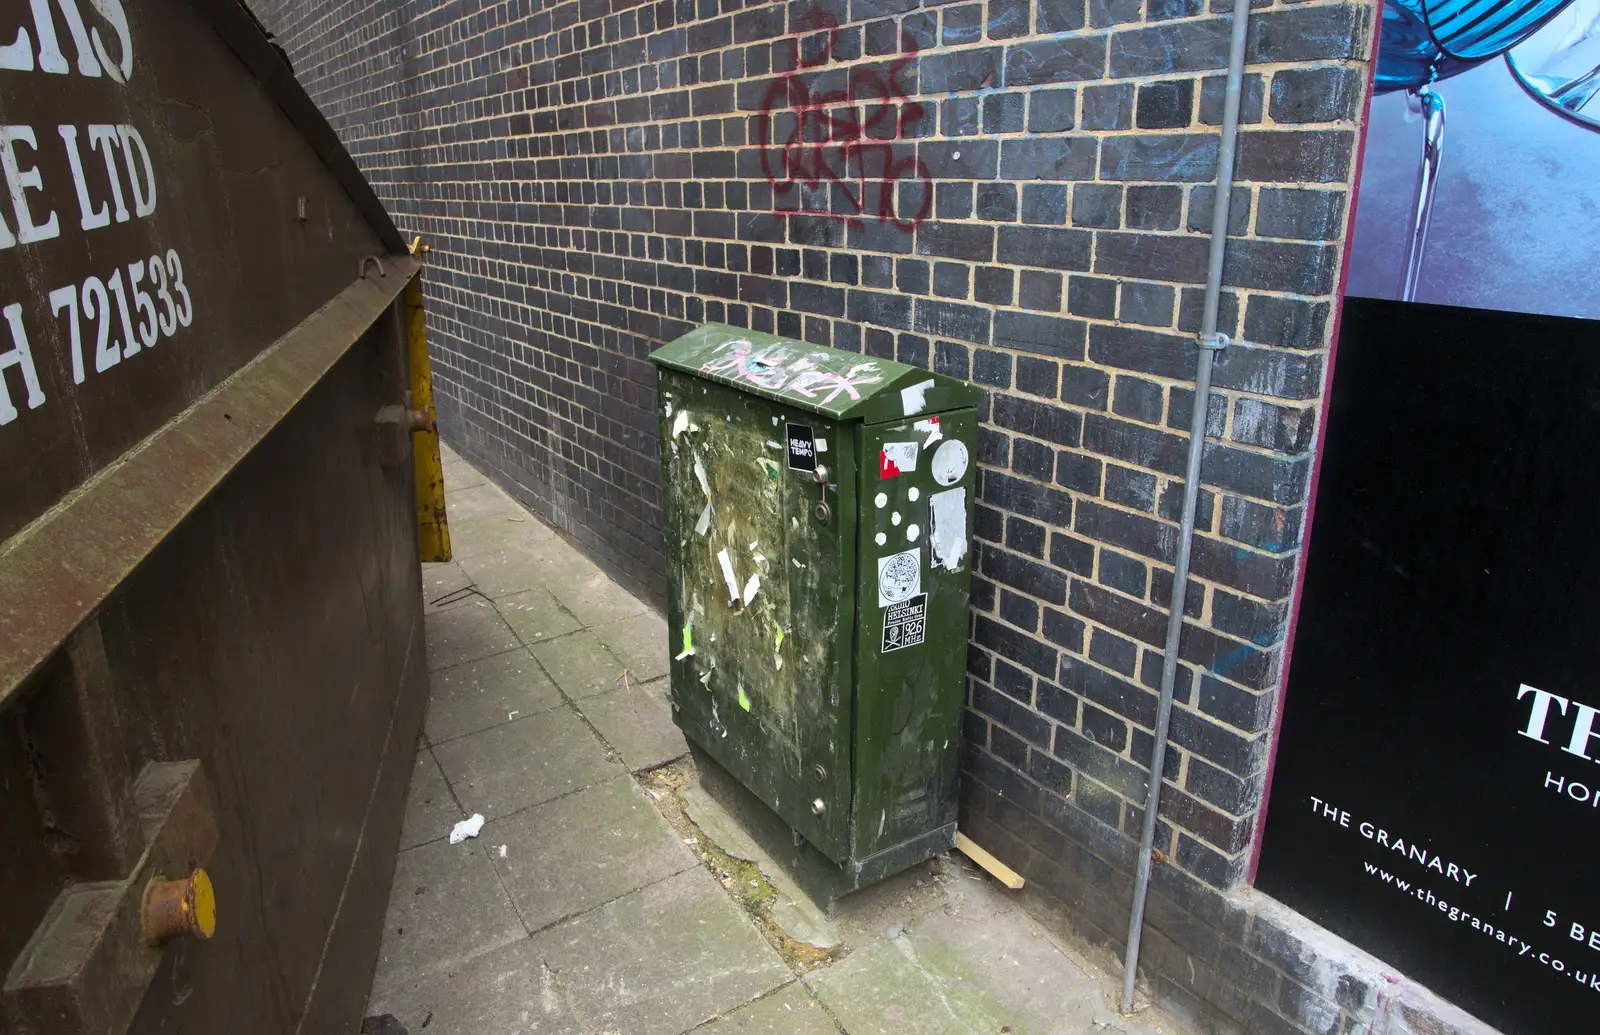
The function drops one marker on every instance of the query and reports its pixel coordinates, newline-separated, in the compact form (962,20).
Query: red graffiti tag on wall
(851,140)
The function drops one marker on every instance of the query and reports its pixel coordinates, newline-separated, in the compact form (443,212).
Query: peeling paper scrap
(502,851)
(466,828)
(728,576)
(688,643)
(701,526)
(914,398)
(931,428)
(680,422)
(700,476)
(822,445)
(751,588)
(947,528)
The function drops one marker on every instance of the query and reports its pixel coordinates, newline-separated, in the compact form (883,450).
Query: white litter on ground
(466,828)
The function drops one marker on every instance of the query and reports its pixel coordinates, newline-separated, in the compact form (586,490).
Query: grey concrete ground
(594,901)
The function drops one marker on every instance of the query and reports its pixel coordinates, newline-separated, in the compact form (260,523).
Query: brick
(962,24)
(1044,203)
(972,242)
(1004,112)
(952,320)
(1052,111)
(1142,535)
(1054,61)
(1188,46)
(1202,201)
(1079,473)
(1274,529)
(1164,157)
(1028,576)
(997,202)
(1023,497)
(1058,15)
(1326,32)
(1108,107)
(1284,429)
(1295,155)
(1154,207)
(1221,788)
(1180,411)
(1261,475)
(1288,323)
(1266,575)
(1129,488)
(1097,205)
(1036,419)
(1015,717)
(1026,537)
(1050,249)
(1252,99)
(1163,257)
(1038,376)
(1048,158)
(1286,375)
(1009,19)
(992,285)
(1039,290)
(1263,624)
(1095,762)
(1093,297)
(1327,94)
(1165,105)
(1126,574)
(978,159)
(1305,215)
(959,70)
(877,308)
(1018,646)
(1050,336)
(1148,304)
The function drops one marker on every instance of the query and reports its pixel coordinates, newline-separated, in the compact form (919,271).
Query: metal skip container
(818,508)
(213,409)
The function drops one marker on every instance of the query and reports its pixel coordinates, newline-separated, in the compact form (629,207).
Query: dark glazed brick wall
(1011,191)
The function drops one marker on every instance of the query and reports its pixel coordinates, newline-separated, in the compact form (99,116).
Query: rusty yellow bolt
(180,908)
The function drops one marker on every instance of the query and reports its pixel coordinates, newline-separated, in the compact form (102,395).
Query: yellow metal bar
(433,527)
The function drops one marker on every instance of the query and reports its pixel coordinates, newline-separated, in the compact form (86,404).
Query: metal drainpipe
(1209,342)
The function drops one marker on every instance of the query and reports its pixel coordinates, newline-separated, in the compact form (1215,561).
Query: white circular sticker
(880,500)
(912,533)
(899,576)
(949,462)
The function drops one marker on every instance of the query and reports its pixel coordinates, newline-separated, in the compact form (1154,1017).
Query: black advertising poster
(1435,795)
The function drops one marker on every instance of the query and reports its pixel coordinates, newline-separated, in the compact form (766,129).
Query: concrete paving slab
(480,694)
(640,643)
(490,533)
(789,1011)
(885,989)
(478,501)
(637,722)
(991,947)
(532,565)
(430,809)
(793,910)
(661,960)
(499,993)
(535,615)
(461,634)
(580,664)
(508,768)
(442,585)
(446,906)
(595,599)
(583,850)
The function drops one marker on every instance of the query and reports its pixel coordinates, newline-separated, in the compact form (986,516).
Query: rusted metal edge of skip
(55,573)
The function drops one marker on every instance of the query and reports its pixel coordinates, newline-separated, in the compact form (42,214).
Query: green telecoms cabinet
(818,504)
